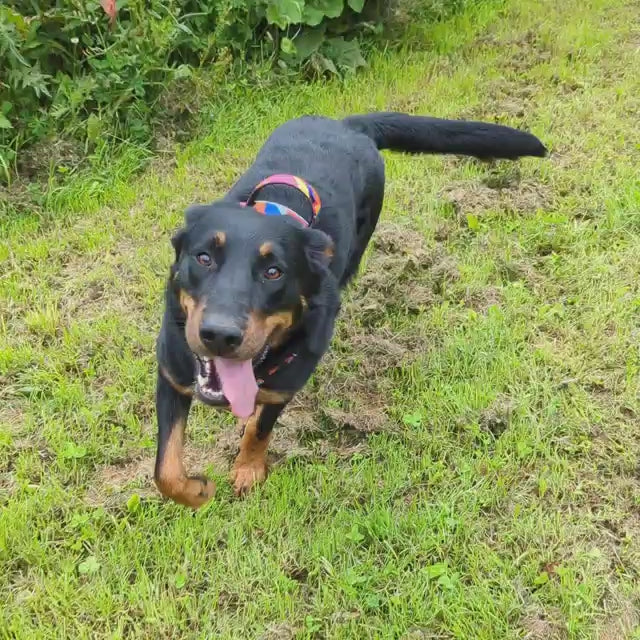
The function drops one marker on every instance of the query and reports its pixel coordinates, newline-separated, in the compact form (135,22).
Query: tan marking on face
(181,389)
(171,479)
(220,238)
(187,303)
(266,248)
(193,310)
(250,467)
(264,329)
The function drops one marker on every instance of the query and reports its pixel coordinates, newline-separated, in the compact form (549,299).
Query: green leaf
(284,12)
(541,579)
(472,222)
(89,566)
(445,581)
(312,16)
(79,520)
(323,64)
(372,601)
(73,451)
(437,570)
(330,8)
(345,53)
(182,71)
(180,580)
(287,46)
(312,624)
(5,122)
(309,42)
(133,503)
(542,486)
(13,17)
(412,419)
(356,5)
(354,535)
(94,127)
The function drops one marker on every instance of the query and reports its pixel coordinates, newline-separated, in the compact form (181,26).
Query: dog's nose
(220,338)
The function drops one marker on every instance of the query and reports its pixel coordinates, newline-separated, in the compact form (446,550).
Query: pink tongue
(238,385)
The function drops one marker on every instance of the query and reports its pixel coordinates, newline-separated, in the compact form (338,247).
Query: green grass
(466,467)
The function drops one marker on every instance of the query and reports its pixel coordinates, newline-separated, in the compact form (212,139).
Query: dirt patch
(35,162)
(12,411)
(537,627)
(112,480)
(496,418)
(402,275)
(313,435)
(481,300)
(498,193)
(622,624)
(91,287)
(361,418)
(522,53)
(279,631)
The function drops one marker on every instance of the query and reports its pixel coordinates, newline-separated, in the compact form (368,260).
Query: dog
(254,292)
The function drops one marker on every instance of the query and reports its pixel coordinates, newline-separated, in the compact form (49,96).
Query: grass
(465,463)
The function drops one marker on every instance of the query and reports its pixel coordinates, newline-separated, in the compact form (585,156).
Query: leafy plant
(69,67)
(97,72)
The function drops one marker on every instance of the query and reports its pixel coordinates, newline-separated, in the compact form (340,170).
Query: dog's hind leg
(364,233)
(170,477)
(250,466)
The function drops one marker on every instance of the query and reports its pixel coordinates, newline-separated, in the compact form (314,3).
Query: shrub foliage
(67,67)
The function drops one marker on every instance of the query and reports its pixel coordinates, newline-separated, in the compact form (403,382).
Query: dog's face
(243,280)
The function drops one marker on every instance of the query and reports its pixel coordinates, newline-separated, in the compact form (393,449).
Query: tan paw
(191,492)
(245,475)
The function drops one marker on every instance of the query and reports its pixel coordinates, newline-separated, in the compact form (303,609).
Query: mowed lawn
(465,464)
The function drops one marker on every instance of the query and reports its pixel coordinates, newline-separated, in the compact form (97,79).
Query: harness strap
(268,208)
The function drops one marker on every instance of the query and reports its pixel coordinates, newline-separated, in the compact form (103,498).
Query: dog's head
(243,281)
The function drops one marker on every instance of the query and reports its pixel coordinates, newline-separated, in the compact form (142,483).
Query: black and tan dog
(255,288)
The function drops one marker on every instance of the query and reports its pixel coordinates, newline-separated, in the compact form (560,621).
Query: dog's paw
(245,475)
(193,492)
(199,491)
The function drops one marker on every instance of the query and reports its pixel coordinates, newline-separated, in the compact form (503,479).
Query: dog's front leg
(251,464)
(172,409)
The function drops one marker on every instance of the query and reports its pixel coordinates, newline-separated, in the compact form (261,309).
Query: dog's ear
(322,291)
(318,250)
(177,240)
(320,316)
(194,212)
(191,214)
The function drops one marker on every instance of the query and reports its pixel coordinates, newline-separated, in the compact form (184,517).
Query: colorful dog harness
(269,208)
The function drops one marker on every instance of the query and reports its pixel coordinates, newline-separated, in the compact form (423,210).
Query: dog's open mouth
(208,384)
(228,382)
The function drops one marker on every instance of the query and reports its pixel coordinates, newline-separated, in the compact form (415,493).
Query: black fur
(341,160)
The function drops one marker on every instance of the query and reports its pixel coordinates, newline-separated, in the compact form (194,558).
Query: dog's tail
(420,134)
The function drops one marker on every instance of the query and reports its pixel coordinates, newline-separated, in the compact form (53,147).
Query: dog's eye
(204,259)
(272,273)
